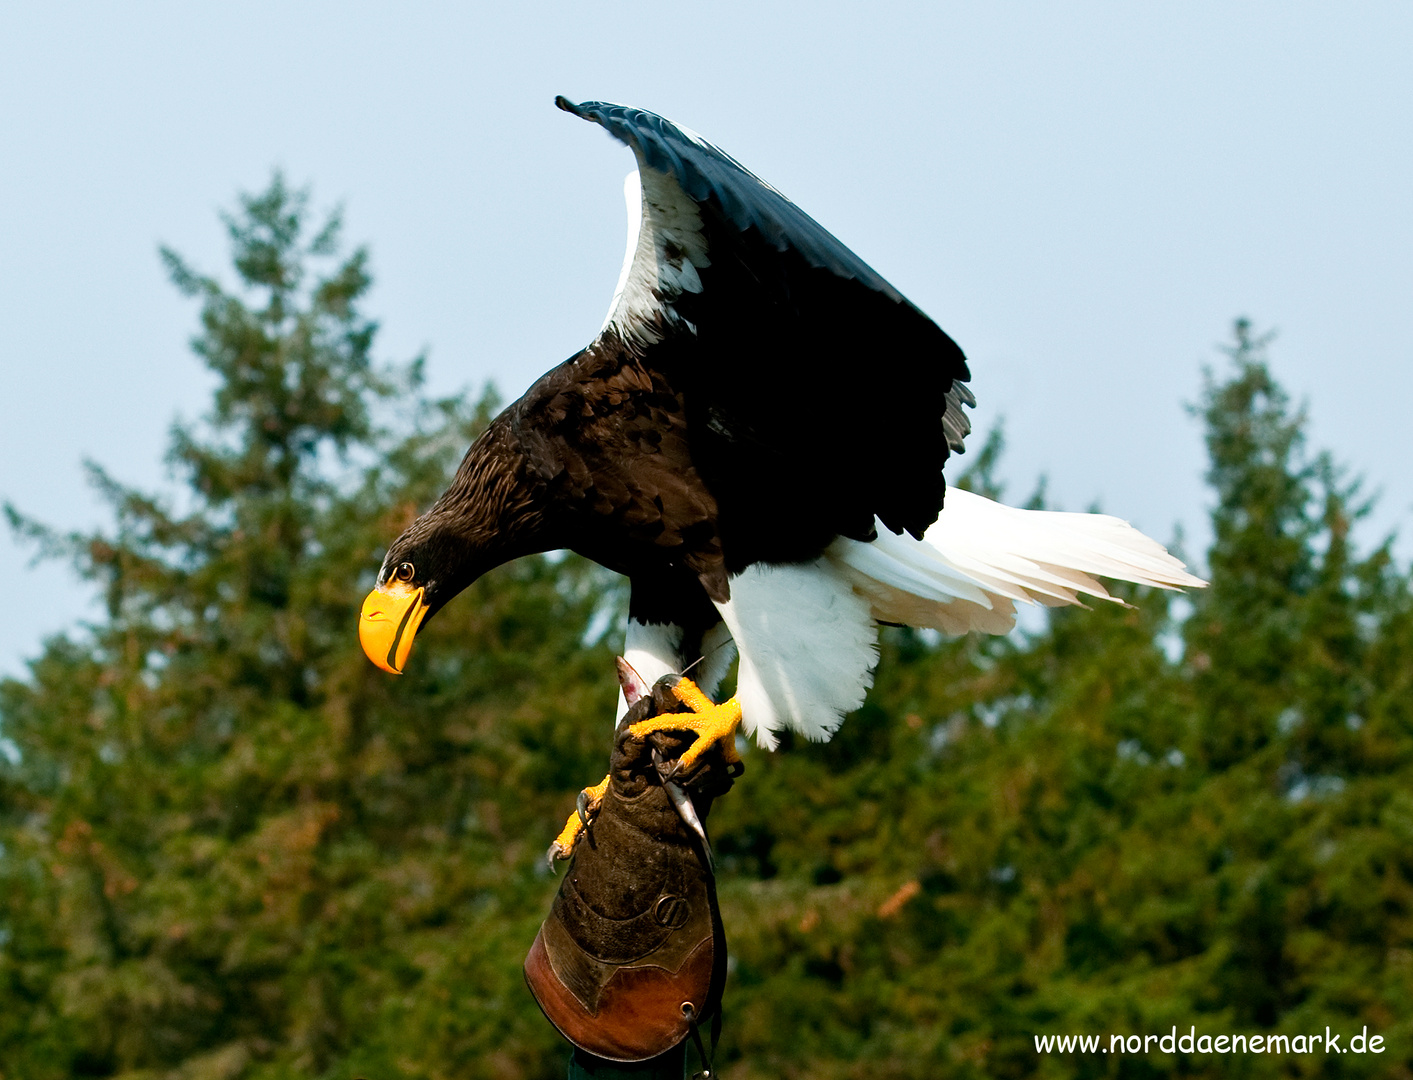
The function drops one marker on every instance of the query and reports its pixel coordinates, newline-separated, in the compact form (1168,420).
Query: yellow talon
(590,799)
(710,722)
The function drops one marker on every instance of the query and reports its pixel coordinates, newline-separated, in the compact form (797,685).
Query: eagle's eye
(403,572)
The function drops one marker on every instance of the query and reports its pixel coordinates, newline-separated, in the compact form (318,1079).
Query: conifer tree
(230,846)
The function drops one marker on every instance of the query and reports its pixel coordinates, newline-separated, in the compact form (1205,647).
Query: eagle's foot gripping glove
(585,810)
(713,725)
(632,957)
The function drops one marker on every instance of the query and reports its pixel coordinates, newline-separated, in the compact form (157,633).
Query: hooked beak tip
(388,623)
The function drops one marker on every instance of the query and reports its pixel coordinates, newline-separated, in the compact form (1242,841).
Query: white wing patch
(633,200)
(665,250)
(808,646)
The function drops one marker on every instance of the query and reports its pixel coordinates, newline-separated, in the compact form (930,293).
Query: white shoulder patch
(633,200)
(665,250)
(808,645)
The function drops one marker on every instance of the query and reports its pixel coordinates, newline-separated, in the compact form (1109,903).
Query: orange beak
(388,623)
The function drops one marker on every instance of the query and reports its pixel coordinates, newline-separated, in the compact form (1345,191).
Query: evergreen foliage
(231,848)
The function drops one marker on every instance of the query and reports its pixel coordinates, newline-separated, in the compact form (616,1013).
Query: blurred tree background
(231,848)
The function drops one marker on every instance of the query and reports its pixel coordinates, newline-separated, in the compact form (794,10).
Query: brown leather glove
(633,952)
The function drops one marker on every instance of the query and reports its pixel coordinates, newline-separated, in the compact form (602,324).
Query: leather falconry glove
(633,955)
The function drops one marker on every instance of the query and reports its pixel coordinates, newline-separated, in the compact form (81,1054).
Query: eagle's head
(391,615)
(490,514)
(428,565)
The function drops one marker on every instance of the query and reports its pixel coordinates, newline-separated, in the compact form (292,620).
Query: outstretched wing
(818,396)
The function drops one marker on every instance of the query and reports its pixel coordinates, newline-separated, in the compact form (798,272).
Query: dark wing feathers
(955,421)
(708,173)
(816,397)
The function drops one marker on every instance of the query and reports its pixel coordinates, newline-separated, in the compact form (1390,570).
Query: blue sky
(1083,194)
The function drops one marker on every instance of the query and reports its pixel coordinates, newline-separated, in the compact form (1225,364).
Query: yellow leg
(591,798)
(710,722)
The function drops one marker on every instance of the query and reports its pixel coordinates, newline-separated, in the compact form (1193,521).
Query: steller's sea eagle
(756,439)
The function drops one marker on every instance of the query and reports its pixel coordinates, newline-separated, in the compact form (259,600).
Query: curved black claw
(582,804)
(682,803)
(666,770)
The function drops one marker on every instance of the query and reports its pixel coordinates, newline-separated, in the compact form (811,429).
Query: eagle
(756,440)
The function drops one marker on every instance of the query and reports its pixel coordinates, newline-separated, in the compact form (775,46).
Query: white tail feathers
(806,630)
(980,557)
